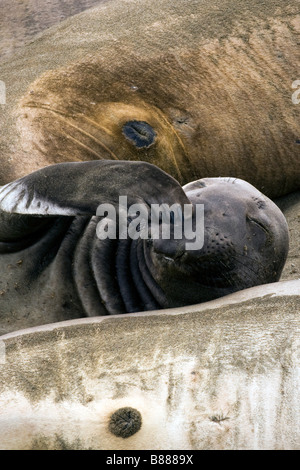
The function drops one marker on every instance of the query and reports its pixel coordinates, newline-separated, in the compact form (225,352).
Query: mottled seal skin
(54,267)
(200,89)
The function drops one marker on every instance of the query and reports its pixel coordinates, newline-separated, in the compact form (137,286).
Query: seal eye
(257,224)
(139,133)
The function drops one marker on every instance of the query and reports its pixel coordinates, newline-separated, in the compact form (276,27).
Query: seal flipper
(23,216)
(50,216)
(72,189)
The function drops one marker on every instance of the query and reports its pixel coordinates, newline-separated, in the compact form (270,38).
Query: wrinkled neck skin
(113,277)
(125,275)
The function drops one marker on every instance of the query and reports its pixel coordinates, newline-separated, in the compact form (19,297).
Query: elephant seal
(220,375)
(212,372)
(200,89)
(20,22)
(55,267)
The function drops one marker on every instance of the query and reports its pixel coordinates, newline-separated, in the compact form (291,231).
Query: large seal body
(197,88)
(55,267)
(208,376)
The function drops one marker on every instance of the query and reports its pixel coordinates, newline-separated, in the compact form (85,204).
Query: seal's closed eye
(140,133)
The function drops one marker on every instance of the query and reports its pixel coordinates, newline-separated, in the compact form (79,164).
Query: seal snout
(216,242)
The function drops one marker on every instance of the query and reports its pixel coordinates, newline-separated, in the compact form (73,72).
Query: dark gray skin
(245,244)
(54,267)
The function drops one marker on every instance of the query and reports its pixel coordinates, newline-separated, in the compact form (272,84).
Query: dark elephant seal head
(50,220)
(245,244)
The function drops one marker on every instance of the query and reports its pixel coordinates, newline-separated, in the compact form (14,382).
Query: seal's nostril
(140,133)
(125,422)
